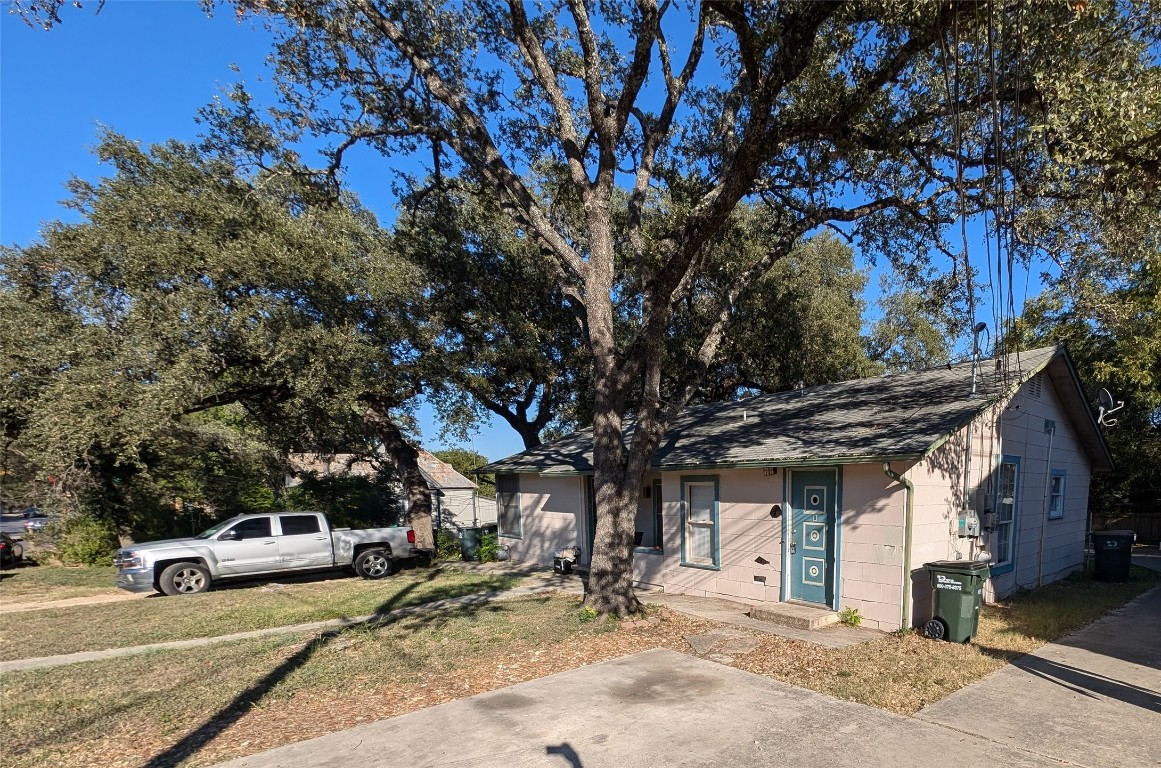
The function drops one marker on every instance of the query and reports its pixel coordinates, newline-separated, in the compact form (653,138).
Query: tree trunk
(405,458)
(610,588)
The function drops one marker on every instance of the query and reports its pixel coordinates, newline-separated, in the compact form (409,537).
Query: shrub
(489,547)
(85,541)
(851,617)
(447,546)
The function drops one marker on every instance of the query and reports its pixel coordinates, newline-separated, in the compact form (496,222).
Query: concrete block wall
(747,533)
(870,570)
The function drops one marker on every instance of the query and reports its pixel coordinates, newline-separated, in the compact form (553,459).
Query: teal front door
(812,536)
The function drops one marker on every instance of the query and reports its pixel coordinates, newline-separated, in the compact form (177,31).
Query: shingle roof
(439,474)
(894,417)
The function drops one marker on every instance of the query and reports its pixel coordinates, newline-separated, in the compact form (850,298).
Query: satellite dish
(1108,405)
(1106,399)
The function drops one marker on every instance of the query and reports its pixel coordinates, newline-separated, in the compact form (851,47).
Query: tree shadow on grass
(392,610)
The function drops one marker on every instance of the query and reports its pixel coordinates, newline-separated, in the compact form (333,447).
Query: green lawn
(53,631)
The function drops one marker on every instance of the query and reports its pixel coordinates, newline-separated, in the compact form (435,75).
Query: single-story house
(837,495)
(454,498)
(456,503)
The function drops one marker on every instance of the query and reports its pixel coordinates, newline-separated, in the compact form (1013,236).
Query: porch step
(795,615)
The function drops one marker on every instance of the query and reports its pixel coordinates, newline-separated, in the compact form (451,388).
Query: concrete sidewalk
(1091,698)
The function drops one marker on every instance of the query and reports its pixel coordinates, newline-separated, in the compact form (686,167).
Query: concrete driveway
(657,708)
(1092,699)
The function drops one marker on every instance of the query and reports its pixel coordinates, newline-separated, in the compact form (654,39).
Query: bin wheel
(936,629)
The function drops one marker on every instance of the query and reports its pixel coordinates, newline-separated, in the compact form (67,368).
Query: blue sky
(144,68)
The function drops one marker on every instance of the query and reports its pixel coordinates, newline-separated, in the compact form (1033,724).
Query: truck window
(254,528)
(296,525)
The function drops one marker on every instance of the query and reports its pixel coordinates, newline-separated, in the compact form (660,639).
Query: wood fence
(1147,525)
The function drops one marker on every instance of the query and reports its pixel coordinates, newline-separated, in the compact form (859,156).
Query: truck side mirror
(230,535)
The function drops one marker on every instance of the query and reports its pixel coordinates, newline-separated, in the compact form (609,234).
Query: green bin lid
(970,566)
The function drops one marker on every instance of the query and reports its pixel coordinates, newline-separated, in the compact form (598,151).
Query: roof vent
(1036,386)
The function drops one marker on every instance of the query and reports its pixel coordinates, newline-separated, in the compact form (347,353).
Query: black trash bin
(957,588)
(1114,554)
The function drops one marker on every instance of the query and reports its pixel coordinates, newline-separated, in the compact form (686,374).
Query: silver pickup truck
(254,545)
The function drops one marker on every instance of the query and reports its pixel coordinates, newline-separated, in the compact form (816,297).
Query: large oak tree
(886,119)
(189,286)
(889,120)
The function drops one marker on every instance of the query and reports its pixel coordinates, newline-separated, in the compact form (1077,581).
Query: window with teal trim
(1056,486)
(508,519)
(700,513)
(1007,490)
(648,536)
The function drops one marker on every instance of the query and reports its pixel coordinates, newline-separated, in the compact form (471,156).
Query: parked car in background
(256,545)
(11,551)
(34,520)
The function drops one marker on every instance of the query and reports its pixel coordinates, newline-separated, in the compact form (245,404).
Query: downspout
(1050,428)
(908,517)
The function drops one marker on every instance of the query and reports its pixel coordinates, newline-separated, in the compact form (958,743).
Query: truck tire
(184,579)
(374,564)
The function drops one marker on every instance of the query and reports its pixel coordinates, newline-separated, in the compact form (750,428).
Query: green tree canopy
(188,287)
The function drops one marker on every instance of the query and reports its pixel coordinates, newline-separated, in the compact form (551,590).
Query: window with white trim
(700,510)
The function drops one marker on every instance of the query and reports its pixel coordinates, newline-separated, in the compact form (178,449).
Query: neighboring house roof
(330,464)
(886,418)
(440,475)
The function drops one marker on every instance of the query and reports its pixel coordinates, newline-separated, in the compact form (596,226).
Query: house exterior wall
(871,548)
(746,533)
(456,507)
(551,517)
(1016,429)
(1024,436)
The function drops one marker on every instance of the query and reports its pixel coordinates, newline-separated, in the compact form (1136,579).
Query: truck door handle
(268,542)
(320,538)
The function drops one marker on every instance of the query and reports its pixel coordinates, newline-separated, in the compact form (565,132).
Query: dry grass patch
(905,672)
(219,612)
(201,706)
(205,705)
(45,583)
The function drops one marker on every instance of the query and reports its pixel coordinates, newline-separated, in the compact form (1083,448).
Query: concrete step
(795,615)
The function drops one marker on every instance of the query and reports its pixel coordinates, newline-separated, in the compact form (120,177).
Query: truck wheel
(184,579)
(374,564)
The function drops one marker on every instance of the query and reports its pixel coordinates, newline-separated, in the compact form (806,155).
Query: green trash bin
(470,543)
(1113,552)
(957,588)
